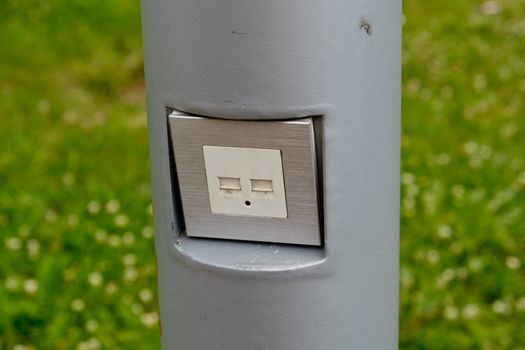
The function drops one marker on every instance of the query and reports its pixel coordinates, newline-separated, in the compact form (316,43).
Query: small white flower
(521,178)
(513,262)
(480,83)
(145,295)
(433,256)
(412,190)
(31,286)
(91,326)
(147,231)
(33,247)
(458,191)
(128,238)
(445,277)
(121,220)
(456,248)
(476,264)
(95,279)
(78,305)
(43,106)
(136,308)
(470,311)
(462,273)
(451,312)
(501,307)
(51,216)
(490,7)
(101,235)
(11,283)
(111,288)
(93,207)
(407,278)
(68,179)
(520,304)
(485,151)
(93,343)
(471,147)
(114,241)
(70,117)
(130,274)
(444,231)
(72,220)
(129,259)
(90,344)
(13,243)
(112,206)
(149,319)
(443,159)
(21,347)
(408,178)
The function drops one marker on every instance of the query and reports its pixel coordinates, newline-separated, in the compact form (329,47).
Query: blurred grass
(77,267)
(463,227)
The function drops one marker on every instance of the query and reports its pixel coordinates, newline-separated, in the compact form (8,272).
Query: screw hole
(248,203)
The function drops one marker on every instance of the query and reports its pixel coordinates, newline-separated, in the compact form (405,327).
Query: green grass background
(77,266)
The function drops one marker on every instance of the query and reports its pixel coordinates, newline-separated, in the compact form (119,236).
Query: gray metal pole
(272,60)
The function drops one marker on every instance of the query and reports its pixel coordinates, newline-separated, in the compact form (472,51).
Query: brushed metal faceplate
(296,141)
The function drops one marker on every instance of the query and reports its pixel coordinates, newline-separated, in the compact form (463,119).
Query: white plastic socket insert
(245,181)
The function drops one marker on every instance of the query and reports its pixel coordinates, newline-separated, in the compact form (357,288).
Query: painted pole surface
(253,59)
